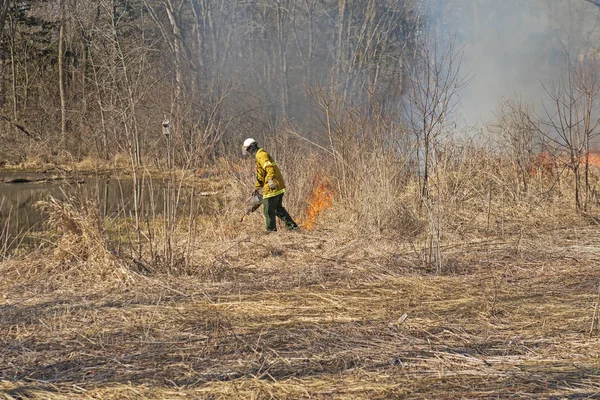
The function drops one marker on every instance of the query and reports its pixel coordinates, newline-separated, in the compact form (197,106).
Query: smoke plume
(513,47)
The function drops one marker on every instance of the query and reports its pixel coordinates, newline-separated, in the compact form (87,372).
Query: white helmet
(247,143)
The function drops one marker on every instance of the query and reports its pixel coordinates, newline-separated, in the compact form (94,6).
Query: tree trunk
(61,83)
(3,13)
(177,49)
(284,89)
(340,36)
(13,68)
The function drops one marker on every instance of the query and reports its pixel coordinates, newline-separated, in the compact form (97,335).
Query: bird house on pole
(166,127)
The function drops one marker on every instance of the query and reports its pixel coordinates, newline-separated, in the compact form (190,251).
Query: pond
(114,196)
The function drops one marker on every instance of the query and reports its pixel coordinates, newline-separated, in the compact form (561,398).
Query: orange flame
(321,198)
(544,163)
(594,159)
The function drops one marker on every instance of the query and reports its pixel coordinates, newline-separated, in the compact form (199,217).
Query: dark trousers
(273,207)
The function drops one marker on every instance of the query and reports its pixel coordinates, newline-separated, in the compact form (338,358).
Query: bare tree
(4,4)
(435,81)
(515,126)
(61,74)
(571,122)
(239,66)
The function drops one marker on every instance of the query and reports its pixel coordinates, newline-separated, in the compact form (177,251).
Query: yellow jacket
(266,169)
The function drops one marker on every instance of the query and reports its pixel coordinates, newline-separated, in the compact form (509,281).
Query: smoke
(512,47)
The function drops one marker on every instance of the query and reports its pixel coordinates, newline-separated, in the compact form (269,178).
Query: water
(20,219)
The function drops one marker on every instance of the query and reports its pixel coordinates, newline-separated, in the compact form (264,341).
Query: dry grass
(348,310)
(316,315)
(81,250)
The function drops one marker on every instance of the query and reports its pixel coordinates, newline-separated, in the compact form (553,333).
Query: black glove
(272,184)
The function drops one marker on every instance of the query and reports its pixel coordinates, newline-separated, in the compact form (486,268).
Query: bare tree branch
(20,127)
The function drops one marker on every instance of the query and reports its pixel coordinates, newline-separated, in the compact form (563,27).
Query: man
(269,178)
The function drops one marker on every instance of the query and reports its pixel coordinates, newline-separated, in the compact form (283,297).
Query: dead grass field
(314,315)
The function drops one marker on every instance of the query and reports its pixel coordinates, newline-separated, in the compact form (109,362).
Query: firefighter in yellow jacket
(269,178)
